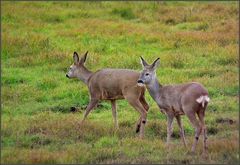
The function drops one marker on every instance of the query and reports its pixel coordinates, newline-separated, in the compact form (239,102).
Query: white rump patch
(200,99)
(207,98)
(203,99)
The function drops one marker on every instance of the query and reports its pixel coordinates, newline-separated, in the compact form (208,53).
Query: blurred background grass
(196,41)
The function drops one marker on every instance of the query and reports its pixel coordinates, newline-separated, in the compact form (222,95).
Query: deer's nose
(67,76)
(140,81)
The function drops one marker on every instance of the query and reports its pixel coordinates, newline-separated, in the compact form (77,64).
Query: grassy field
(196,41)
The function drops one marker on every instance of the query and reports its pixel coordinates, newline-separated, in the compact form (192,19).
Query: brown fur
(111,84)
(176,100)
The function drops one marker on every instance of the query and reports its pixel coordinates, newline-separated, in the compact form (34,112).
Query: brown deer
(111,84)
(175,100)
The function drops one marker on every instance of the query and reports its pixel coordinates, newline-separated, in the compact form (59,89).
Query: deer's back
(111,83)
(177,96)
(192,89)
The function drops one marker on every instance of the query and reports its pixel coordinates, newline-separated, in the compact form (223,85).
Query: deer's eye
(147,74)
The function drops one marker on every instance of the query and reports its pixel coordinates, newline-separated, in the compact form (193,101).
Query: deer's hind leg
(146,106)
(198,128)
(201,115)
(138,124)
(144,102)
(133,100)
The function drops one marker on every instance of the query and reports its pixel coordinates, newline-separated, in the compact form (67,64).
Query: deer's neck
(154,89)
(85,75)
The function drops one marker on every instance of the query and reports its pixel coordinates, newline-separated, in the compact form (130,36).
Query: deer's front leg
(114,113)
(169,128)
(90,107)
(181,129)
(163,111)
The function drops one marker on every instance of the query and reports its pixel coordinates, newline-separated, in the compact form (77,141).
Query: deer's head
(77,69)
(148,74)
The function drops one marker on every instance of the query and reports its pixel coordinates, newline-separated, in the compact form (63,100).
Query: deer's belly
(111,95)
(177,110)
(171,108)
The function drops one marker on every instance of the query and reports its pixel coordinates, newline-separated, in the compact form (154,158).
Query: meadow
(196,41)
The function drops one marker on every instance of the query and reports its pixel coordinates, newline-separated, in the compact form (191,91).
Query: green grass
(196,41)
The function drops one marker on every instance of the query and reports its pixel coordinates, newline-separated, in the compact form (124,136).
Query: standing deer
(175,100)
(111,84)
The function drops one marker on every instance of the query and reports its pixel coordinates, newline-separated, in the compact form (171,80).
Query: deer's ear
(155,64)
(143,62)
(83,59)
(75,57)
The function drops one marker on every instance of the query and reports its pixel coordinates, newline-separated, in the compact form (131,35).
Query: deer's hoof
(73,109)
(141,137)
(190,153)
(205,155)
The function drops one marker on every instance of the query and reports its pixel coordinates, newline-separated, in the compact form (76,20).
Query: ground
(196,41)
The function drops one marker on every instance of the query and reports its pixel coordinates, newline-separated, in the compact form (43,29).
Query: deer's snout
(67,76)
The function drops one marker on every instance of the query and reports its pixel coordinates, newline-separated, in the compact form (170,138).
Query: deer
(111,85)
(174,101)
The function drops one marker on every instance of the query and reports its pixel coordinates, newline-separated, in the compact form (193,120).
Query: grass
(196,41)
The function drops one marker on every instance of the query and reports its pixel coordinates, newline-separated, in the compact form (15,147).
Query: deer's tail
(203,99)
